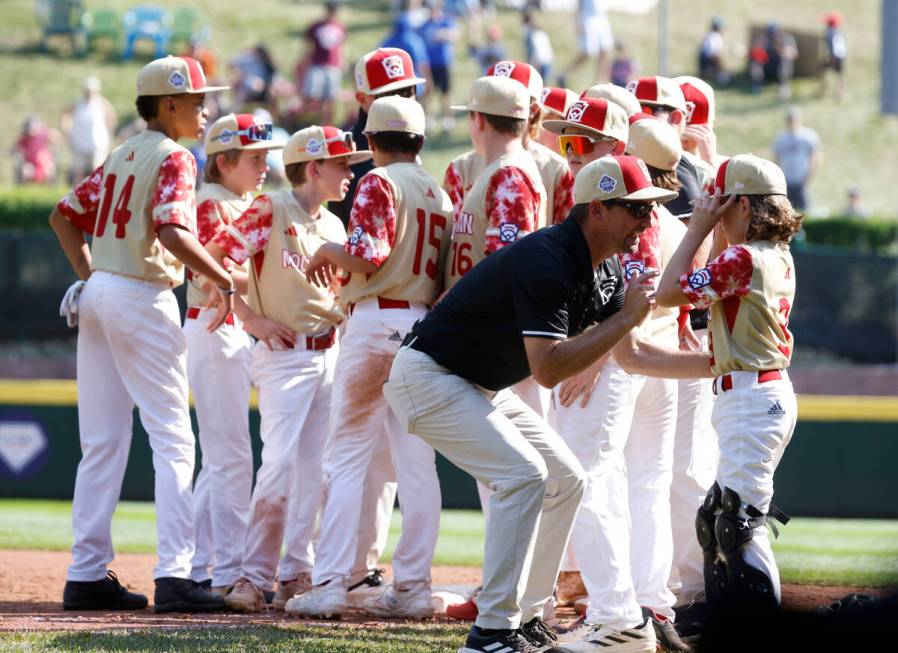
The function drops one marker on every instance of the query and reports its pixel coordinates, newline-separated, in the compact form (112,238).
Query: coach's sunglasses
(255,132)
(639,210)
(579,144)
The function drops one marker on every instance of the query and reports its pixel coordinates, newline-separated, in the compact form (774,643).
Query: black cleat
(539,632)
(106,594)
(481,640)
(184,595)
(691,620)
(374,578)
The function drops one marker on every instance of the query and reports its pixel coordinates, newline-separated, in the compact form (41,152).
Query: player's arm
(638,356)
(75,215)
(554,358)
(706,213)
(73,244)
(564,197)
(372,232)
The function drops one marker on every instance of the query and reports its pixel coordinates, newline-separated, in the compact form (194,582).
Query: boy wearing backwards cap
(293,362)
(749,288)
(218,363)
(140,208)
(613,93)
(398,233)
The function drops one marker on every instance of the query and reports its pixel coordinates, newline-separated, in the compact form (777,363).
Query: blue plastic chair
(147,23)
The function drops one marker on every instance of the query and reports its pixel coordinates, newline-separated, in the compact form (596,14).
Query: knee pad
(714,570)
(734,529)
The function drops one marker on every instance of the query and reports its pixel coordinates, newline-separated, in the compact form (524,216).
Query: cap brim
(551,111)
(354,157)
(262,145)
(562,127)
(650,194)
(459,107)
(395,86)
(210,89)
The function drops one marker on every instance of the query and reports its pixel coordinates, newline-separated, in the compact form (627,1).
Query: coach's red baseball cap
(173,76)
(557,100)
(658,91)
(592,116)
(699,98)
(617,177)
(521,72)
(384,70)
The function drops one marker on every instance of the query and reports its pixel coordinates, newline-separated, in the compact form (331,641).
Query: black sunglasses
(638,209)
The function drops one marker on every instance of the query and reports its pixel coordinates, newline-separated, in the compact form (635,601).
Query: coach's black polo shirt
(542,286)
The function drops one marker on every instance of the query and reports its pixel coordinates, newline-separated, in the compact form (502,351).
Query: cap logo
(400,124)
(644,169)
(575,113)
(177,80)
(607,184)
(394,66)
(359,80)
(738,185)
(632,86)
(503,69)
(690,109)
(225,137)
(544,94)
(314,147)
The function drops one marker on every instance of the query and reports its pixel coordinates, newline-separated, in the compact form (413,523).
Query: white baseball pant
(378,499)
(294,388)
(694,469)
(537,483)
(754,423)
(131,351)
(218,368)
(372,337)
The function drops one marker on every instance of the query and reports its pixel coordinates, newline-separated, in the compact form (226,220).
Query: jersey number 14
(120,215)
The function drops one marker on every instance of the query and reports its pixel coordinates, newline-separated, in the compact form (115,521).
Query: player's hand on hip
(640,297)
(270,332)
(224,304)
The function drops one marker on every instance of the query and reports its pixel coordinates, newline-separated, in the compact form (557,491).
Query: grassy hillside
(858,144)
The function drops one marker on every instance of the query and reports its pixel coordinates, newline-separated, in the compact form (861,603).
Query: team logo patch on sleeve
(356,236)
(607,184)
(700,279)
(508,233)
(633,269)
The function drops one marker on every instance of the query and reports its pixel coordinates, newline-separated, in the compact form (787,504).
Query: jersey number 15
(437,221)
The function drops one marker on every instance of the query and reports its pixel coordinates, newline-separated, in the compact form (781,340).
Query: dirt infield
(31,592)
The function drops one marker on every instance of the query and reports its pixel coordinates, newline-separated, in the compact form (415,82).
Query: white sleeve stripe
(236,235)
(545,334)
(171,206)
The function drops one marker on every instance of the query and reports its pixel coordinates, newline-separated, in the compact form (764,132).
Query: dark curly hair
(772,218)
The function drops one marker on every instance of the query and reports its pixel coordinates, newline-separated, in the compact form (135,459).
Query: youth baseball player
(218,363)
(398,232)
(293,362)
(750,289)
(140,208)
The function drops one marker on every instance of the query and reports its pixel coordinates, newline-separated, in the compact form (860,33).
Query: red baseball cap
(173,76)
(617,177)
(699,100)
(658,91)
(557,100)
(521,72)
(384,70)
(592,116)
(315,143)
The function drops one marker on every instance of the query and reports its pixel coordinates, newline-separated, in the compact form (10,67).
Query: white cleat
(415,602)
(594,637)
(321,602)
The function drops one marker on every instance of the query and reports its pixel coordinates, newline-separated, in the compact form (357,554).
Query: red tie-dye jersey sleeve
(80,206)
(726,276)
(174,200)
(249,233)
(372,222)
(564,197)
(647,255)
(512,207)
(208,220)
(454,188)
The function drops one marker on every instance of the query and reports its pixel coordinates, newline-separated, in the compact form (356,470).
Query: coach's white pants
(537,483)
(754,423)
(597,435)
(294,388)
(694,469)
(372,337)
(218,367)
(131,351)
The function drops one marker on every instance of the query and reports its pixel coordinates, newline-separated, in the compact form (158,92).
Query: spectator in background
(33,154)
(782,51)
(710,54)
(439,33)
(405,37)
(88,126)
(757,63)
(855,208)
(623,68)
(596,40)
(836,51)
(537,45)
(799,154)
(252,74)
(494,50)
(320,72)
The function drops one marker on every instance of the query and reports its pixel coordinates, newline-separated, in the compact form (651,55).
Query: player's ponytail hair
(772,218)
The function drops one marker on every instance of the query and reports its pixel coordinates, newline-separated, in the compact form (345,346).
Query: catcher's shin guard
(715,571)
(734,529)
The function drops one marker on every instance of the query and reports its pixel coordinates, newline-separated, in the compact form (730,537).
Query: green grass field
(853,133)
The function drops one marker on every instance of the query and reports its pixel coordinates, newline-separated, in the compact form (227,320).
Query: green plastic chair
(189,26)
(61,18)
(103,25)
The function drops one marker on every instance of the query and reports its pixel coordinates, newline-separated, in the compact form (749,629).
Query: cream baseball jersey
(400,221)
(557,180)
(280,238)
(750,289)
(216,207)
(461,173)
(145,183)
(506,203)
